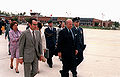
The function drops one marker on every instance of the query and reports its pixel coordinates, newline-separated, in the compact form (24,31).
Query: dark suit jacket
(66,44)
(50,38)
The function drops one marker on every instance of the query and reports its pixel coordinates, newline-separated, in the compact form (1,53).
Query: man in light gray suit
(30,49)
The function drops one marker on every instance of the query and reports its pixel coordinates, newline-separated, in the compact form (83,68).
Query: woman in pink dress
(14,35)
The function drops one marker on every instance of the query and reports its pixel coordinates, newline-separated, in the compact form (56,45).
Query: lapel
(36,35)
(80,30)
(53,29)
(50,30)
(75,31)
(66,31)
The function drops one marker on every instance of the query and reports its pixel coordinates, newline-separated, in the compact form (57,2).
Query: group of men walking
(69,47)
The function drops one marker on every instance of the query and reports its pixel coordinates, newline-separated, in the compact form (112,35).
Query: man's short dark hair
(30,20)
(11,20)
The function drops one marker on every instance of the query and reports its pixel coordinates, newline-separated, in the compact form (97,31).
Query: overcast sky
(65,8)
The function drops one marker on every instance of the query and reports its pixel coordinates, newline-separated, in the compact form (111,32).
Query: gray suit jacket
(27,48)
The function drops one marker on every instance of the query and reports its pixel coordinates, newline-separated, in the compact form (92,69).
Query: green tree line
(11,14)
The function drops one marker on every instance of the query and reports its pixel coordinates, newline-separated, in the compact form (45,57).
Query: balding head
(69,23)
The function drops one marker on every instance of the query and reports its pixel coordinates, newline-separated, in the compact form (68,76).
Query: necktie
(52,29)
(34,42)
(71,33)
(34,38)
(77,29)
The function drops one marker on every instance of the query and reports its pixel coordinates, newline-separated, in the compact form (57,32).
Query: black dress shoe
(11,67)
(50,66)
(16,71)
(61,73)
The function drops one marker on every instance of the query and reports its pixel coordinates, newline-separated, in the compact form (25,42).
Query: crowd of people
(31,45)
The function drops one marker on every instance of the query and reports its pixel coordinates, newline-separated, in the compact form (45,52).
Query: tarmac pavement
(101,57)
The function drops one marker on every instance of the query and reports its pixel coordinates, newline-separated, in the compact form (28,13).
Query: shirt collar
(51,28)
(76,27)
(30,30)
(68,29)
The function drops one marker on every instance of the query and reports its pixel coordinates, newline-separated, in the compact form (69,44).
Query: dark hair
(11,20)
(30,20)
(39,25)
(12,24)
(59,26)
(61,21)
(7,21)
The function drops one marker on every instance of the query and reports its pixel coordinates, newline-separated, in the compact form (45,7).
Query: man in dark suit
(67,49)
(50,35)
(30,49)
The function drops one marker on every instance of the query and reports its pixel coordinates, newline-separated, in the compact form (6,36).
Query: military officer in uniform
(79,36)
(50,35)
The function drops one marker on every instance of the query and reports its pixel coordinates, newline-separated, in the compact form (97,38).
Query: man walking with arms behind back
(30,41)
